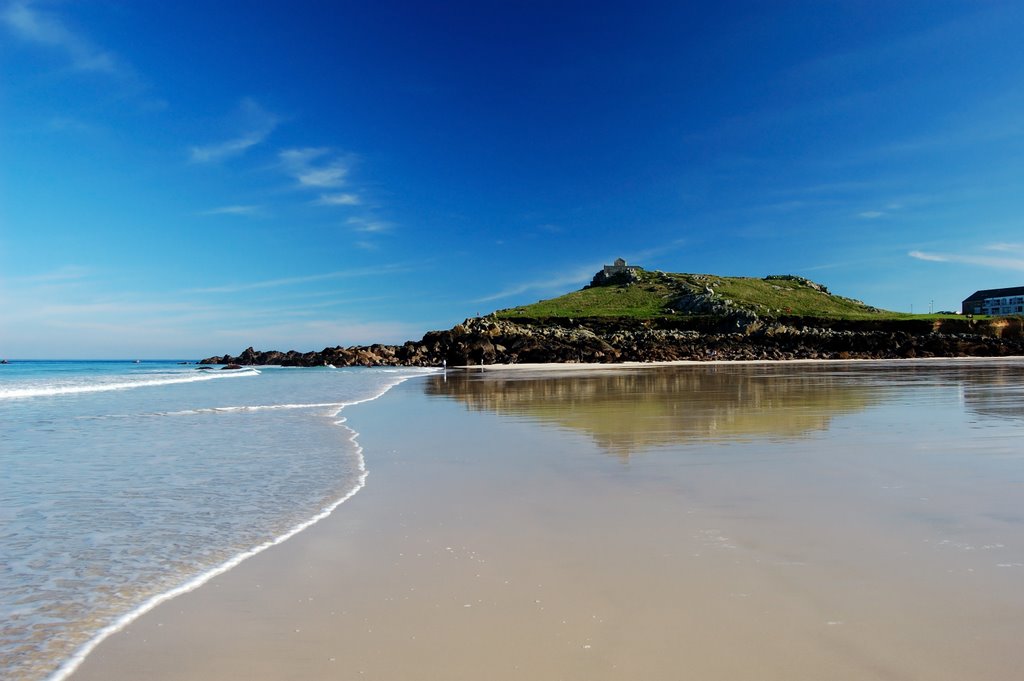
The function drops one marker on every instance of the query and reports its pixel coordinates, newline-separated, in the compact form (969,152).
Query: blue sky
(184,179)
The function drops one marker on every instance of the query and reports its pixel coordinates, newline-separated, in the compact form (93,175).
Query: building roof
(995,293)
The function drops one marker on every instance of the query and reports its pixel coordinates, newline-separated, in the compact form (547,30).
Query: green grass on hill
(601,301)
(789,296)
(655,294)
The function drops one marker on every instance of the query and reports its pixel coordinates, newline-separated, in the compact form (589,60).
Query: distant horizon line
(98,359)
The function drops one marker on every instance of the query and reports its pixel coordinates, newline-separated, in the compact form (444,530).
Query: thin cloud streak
(370,226)
(581,276)
(978,260)
(292,281)
(47,29)
(257,124)
(306,166)
(61,274)
(338,200)
(317,334)
(837,265)
(655,251)
(234,210)
(930,257)
(1006,248)
(218,152)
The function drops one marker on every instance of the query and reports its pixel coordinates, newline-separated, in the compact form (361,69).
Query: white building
(996,301)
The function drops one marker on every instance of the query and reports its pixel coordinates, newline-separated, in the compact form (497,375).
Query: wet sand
(688,522)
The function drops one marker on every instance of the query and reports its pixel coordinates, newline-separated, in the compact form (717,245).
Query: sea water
(123,484)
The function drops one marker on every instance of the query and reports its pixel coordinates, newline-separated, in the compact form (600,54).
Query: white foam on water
(71,664)
(256,407)
(52,389)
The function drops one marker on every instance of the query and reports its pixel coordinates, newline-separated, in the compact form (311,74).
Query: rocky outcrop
(803,281)
(624,277)
(734,335)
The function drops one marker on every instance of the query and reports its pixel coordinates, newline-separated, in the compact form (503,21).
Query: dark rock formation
(625,277)
(734,335)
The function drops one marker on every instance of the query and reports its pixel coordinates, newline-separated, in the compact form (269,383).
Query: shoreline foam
(55,390)
(69,666)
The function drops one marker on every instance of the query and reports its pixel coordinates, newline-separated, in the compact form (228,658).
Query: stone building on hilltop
(620,267)
(617,272)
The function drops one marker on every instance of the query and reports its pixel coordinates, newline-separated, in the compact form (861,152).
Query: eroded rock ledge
(489,340)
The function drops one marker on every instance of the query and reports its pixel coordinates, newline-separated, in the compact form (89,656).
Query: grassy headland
(648,295)
(635,315)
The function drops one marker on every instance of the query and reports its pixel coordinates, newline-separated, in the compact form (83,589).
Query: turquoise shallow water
(124,481)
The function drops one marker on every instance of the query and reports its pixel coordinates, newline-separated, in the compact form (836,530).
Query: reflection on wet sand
(628,410)
(997,392)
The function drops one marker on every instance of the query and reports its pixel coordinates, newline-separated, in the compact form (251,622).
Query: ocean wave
(251,407)
(54,389)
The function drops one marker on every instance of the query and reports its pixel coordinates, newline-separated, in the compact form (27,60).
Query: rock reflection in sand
(997,392)
(630,409)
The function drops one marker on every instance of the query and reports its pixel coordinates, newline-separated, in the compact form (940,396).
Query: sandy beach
(709,522)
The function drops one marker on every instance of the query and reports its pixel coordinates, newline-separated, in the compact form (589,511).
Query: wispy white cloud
(361,224)
(824,266)
(794,205)
(317,334)
(872,214)
(1005,247)
(993,262)
(256,124)
(930,257)
(858,264)
(955,135)
(884,50)
(235,210)
(60,274)
(123,307)
(293,281)
(578,277)
(218,152)
(342,199)
(638,257)
(844,188)
(312,170)
(320,169)
(67,124)
(47,29)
